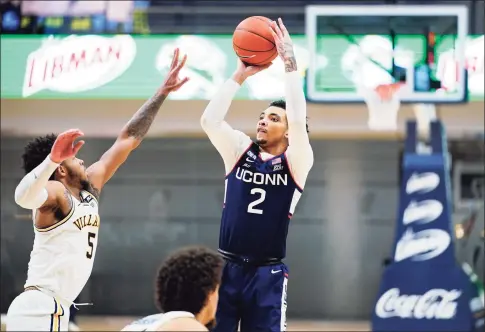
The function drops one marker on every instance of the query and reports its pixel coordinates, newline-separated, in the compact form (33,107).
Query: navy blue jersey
(260,198)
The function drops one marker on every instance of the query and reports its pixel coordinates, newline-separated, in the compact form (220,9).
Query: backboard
(382,44)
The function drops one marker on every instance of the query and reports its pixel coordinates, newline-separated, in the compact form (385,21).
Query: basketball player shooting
(264,182)
(63,196)
(187,292)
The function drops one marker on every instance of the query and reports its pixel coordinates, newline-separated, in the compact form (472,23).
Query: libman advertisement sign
(117,67)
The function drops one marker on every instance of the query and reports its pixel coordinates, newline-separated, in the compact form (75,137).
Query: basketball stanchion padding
(424,289)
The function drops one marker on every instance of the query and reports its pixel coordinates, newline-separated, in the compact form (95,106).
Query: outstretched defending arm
(230,143)
(299,152)
(135,130)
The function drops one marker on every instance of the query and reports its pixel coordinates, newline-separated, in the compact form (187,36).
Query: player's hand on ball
(64,146)
(173,82)
(244,71)
(284,44)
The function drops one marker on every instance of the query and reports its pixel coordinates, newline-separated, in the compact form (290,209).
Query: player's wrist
(51,161)
(238,77)
(162,92)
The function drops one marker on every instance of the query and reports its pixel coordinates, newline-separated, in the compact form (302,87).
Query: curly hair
(36,151)
(186,279)
(282,104)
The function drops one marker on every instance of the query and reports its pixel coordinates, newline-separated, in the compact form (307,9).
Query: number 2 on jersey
(89,253)
(262,197)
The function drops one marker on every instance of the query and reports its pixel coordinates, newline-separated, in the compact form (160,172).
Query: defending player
(63,196)
(187,292)
(264,182)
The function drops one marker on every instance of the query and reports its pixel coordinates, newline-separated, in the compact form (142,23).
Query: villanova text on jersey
(260,198)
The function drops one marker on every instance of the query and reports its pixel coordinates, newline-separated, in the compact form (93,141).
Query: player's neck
(274,150)
(203,316)
(75,191)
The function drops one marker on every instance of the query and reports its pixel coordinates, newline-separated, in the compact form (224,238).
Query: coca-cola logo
(434,304)
(77,63)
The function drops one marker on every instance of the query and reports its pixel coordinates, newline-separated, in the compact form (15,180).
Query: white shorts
(35,311)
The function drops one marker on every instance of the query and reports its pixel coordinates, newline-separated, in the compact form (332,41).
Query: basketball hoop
(383,103)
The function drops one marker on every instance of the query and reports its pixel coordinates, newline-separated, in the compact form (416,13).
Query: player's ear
(286,134)
(61,170)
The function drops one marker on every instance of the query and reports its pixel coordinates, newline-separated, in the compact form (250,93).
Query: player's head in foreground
(71,171)
(189,281)
(272,127)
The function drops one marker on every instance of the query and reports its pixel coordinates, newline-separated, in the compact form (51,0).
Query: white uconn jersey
(152,322)
(62,258)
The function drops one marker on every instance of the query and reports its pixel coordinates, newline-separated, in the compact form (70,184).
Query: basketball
(253,42)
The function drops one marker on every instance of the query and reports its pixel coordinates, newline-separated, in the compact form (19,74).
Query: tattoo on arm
(67,196)
(94,191)
(288,56)
(290,64)
(139,124)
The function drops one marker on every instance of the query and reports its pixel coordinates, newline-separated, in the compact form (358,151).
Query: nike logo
(275,271)
(246,56)
(249,160)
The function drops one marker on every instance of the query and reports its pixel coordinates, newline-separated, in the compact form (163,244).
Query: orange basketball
(253,42)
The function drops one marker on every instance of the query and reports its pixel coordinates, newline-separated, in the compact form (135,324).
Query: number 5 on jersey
(259,200)
(89,253)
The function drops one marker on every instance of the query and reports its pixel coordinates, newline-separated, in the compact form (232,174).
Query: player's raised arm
(230,143)
(299,152)
(137,127)
(35,190)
